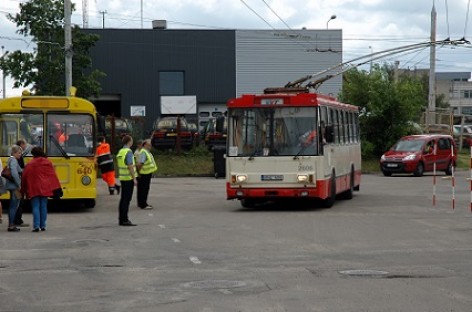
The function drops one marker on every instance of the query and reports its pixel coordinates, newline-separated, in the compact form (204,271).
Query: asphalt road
(387,249)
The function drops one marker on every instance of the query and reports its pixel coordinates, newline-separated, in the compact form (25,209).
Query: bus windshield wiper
(59,147)
(251,157)
(300,151)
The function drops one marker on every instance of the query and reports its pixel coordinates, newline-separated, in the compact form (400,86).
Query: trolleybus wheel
(248,203)
(349,193)
(329,202)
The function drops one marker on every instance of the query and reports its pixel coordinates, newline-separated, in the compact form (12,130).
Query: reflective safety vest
(149,165)
(104,159)
(123,171)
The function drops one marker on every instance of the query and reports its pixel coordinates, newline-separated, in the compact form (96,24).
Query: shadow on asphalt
(285,206)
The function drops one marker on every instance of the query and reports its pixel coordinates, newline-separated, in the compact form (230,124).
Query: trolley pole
(68,45)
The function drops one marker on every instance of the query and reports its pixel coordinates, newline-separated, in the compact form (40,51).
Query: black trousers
(127,188)
(144,184)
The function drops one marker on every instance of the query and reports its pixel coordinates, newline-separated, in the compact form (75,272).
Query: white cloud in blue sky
(367,25)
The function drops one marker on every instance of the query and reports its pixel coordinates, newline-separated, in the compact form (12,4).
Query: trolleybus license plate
(272,177)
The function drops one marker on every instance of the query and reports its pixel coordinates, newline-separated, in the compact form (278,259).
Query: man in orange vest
(105,163)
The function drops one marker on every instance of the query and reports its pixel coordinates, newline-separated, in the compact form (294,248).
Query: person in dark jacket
(39,180)
(25,150)
(14,186)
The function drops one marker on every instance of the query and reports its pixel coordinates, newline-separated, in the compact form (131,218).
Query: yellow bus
(66,128)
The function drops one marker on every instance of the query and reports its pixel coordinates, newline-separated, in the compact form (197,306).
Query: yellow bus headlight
(86,180)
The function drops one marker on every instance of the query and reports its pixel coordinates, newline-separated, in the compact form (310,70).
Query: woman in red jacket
(38,182)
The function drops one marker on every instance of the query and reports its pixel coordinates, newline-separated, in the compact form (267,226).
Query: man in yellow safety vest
(146,166)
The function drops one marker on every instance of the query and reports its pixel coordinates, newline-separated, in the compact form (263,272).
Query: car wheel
(419,170)
(449,169)
(387,174)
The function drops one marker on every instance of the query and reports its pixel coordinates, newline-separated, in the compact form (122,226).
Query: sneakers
(35,230)
(147,207)
(118,188)
(13,229)
(43,229)
(127,223)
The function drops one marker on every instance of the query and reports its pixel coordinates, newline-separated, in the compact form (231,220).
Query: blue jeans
(14,203)
(39,207)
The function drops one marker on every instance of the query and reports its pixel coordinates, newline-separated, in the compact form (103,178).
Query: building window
(171,83)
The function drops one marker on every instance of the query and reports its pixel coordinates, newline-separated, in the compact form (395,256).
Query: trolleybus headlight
(241,178)
(302,178)
(86,180)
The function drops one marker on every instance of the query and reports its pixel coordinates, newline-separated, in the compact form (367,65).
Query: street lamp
(3,74)
(331,18)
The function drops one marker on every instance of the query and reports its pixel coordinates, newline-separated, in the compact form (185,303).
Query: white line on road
(151,214)
(162,226)
(176,240)
(195,260)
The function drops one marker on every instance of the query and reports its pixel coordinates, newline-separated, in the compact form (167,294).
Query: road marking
(162,226)
(151,214)
(176,240)
(195,260)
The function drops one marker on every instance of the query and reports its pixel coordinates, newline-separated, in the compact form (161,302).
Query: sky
(368,26)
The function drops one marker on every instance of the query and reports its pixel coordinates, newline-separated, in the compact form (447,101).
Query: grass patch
(199,161)
(196,162)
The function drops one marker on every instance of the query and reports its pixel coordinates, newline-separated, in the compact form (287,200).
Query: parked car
(164,134)
(211,136)
(122,126)
(466,135)
(195,134)
(418,153)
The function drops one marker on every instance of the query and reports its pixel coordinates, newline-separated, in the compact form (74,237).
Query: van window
(444,144)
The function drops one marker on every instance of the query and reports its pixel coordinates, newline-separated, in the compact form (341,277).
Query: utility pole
(4,83)
(432,71)
(68,45)
(103,18)
(141,14)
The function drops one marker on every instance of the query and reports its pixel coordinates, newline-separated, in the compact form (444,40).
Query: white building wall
(269,58)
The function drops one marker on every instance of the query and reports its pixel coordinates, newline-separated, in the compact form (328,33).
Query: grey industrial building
(211,66)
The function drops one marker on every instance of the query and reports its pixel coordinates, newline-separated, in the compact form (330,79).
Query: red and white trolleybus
(292,145)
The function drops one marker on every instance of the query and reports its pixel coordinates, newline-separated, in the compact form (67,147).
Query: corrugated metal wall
(218,64)
(273,58)
(133,58)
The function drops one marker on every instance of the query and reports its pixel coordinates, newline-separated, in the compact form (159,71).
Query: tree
(44,69)
(387,106)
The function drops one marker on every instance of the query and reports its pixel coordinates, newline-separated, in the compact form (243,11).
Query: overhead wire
(253,11)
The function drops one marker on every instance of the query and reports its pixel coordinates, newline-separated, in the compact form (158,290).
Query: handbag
(6,173)
(57,193)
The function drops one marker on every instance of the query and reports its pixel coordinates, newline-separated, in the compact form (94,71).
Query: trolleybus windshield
(280,131)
